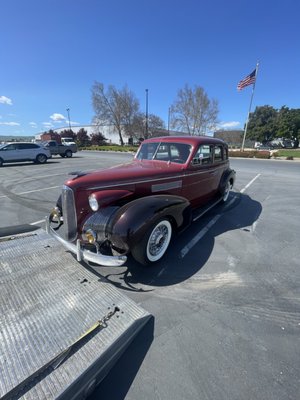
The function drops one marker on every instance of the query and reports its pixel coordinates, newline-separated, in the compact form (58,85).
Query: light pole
(169,113)
(146,133)
(68,111)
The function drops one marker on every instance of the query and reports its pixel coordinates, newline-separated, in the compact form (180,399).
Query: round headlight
(93,203)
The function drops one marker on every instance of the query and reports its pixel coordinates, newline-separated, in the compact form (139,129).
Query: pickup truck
(60,149)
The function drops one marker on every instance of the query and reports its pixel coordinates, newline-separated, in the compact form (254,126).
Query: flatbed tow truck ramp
(61,326)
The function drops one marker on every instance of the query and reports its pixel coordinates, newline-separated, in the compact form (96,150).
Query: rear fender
(132,221)
(228,175)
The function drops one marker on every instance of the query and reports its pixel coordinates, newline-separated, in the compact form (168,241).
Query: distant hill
(10,138)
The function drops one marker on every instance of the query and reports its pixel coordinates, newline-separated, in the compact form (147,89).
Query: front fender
(131,222)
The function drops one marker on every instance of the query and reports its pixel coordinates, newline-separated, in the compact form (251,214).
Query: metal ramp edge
(47,301)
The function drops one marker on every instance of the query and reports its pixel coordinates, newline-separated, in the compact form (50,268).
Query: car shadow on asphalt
(117,383)
(183,259)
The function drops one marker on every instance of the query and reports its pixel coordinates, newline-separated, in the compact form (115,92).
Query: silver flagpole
(245,131)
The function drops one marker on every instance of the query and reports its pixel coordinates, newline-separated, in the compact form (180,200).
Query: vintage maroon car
(136,207)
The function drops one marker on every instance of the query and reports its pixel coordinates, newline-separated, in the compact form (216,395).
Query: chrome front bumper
(86,255)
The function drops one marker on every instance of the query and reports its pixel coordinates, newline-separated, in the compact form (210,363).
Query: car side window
(26,146)
(179,152)
(218,154)
(10,147)
(204,155)
(147,151)
(226,153)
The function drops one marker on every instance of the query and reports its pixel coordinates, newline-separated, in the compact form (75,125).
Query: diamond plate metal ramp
(52,345)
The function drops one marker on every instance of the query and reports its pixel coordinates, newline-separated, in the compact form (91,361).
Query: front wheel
(68,154)
(154,244)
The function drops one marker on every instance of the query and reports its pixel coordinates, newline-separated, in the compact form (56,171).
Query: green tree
(193,112)
(288,123)
(267,123)
(262,124)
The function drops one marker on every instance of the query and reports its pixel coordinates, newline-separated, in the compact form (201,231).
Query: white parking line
(250,183)
(203,231)
(33,191)
(199,235)
(37,222)
(38,190)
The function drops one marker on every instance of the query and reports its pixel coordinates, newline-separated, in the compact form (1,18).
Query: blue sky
(53,50)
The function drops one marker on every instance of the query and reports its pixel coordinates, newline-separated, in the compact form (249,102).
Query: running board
(62,327)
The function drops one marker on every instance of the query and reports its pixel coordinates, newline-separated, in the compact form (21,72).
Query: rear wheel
(154,244)
(68,153)
(227,190)
(1,162)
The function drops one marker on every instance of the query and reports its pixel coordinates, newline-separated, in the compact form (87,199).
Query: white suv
(12,152)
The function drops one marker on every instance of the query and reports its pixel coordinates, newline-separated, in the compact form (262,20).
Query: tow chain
(100,323)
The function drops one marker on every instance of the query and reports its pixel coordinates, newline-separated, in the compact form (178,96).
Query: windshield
(174,152)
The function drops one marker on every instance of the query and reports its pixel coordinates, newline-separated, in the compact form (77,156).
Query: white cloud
(10,123)
(33,124)
(47,125)
(229,125)
(5,100)
(57,117)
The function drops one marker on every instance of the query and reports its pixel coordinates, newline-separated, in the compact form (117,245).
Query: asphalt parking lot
(225,300)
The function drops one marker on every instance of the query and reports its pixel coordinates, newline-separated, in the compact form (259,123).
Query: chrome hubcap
(159,240)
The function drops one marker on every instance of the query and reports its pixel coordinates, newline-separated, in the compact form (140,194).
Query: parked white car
(15,152)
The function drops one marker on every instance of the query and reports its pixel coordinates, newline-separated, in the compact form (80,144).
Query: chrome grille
(69,213)
(98,222)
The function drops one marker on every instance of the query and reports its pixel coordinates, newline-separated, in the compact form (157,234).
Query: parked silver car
(15,152)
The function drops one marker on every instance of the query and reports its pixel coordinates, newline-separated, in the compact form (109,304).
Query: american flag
(247,81)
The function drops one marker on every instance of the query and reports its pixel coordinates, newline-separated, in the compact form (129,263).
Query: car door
(28,151)
(220,162)
(199,179)
(9,152)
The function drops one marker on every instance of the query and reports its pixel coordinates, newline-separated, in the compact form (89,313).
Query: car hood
(133,172)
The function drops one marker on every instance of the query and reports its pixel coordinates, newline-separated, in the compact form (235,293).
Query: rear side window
(219,154)
(26,146)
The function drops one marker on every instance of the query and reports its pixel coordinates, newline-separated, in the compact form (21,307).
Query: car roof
(193,140)
(21,143)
